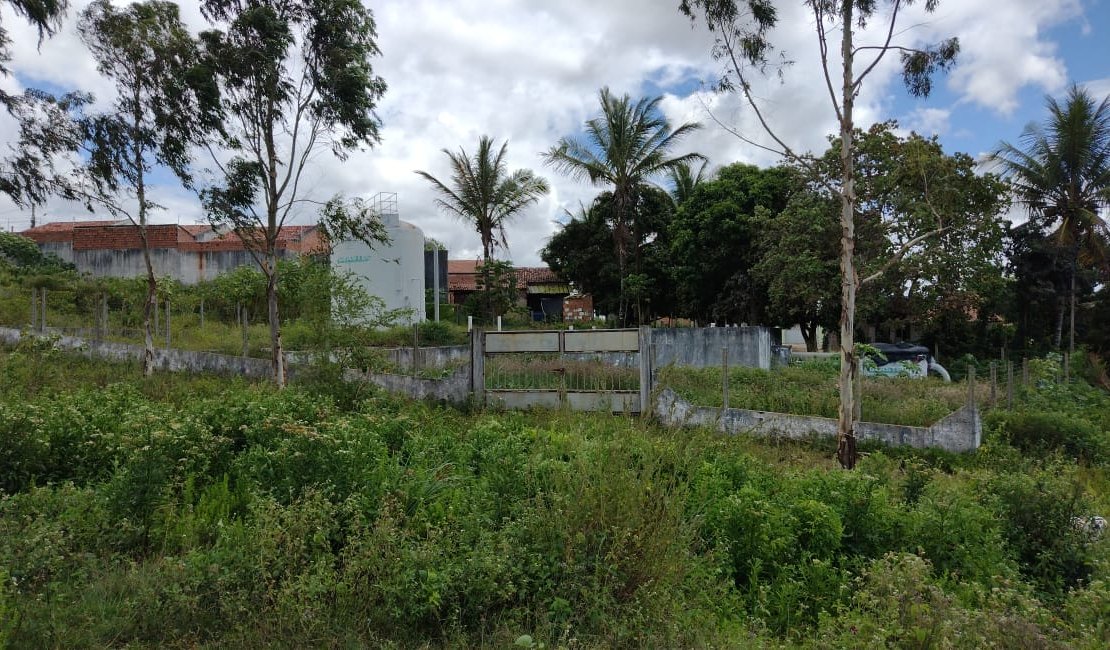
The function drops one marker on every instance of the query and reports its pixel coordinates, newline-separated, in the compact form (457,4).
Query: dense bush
(193,511)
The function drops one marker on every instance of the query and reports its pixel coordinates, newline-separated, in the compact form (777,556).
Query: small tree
(294,77)
(149,54)
(742,29)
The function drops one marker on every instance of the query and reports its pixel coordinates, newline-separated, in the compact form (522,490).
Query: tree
(624,148)
(743,43)
(684,180)
(46,17)
(581,252)
(1060,171)
(796,263)
(483,193)
(714,239)
(294,77)
(149,54)
(909,188)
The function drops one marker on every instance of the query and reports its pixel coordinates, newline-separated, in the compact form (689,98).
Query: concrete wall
(170,360)
(959,432)
(700,347)
(454,389)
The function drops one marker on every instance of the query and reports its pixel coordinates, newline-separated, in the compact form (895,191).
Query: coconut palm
(483,194)
(684,180)
(627,145)
(1061,172)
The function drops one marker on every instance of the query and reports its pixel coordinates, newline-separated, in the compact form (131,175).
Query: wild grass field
(810,388)
(209,512)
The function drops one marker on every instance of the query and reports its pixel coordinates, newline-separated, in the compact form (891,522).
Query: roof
(463,266)
(462,275)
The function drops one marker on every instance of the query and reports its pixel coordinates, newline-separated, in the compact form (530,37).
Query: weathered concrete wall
(430,357)
(700,347)
(170,360)
(959,432)
(454,389)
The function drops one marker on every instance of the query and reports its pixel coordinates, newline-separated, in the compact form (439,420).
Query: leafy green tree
(483,193)
(581,253)
(150,55)
(713,240)
(294,78)
(909,191)
(624,148)
(1060,172)
(796,263)
(742,31)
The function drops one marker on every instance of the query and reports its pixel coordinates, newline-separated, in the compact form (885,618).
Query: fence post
(243,325)
(168,324)
(202,312)
(1010,385)
(415,354)
(477,366)
(971,386)
(994,384)
(34,308)
(646,362)
(857,412)
(42,318)
(724,377)
(105,317)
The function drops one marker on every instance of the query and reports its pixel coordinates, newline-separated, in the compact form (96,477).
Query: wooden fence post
(647,366)
(167,324)
(42,318)
(34,308)
(724,376)
(243,325)
(971,386)
(994,384)
(477,366)
(1010,385)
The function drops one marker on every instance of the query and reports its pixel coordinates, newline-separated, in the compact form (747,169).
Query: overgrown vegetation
(810,389)
(196,511)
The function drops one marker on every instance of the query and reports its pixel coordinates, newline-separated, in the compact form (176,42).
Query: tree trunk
(151,305)
(1071,310)
(277,359)
(846,435)
(809,335)
(1061,309)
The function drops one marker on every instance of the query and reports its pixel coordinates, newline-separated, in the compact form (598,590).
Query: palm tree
(624,147)
(1061,172)
(684,180)
(484,194)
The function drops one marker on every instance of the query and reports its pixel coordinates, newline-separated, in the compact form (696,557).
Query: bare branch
(900,254)
(882,49)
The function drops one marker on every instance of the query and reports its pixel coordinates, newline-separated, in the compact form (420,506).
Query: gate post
(477,365)
(645,371)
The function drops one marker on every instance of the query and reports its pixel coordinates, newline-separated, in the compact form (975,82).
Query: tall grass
(811,389)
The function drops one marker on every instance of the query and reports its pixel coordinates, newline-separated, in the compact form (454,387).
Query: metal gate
(584,370)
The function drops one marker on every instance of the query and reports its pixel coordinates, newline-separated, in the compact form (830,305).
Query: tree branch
(882,49)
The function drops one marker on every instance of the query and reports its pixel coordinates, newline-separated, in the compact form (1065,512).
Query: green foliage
(182,511)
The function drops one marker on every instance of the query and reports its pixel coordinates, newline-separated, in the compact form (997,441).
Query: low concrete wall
(958,432)
(430,357)
(172,360)
(454,389)
(700,347)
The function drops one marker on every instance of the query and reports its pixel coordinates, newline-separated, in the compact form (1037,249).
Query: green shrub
(1041,432)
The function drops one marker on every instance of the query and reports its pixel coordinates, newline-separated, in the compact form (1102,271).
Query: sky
(528,72)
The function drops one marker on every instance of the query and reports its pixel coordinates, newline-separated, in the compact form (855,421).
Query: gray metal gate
(584,370)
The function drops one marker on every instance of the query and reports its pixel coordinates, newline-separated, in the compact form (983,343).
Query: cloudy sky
(528,72)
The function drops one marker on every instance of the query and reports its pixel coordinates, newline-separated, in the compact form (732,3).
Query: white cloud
(528,72)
